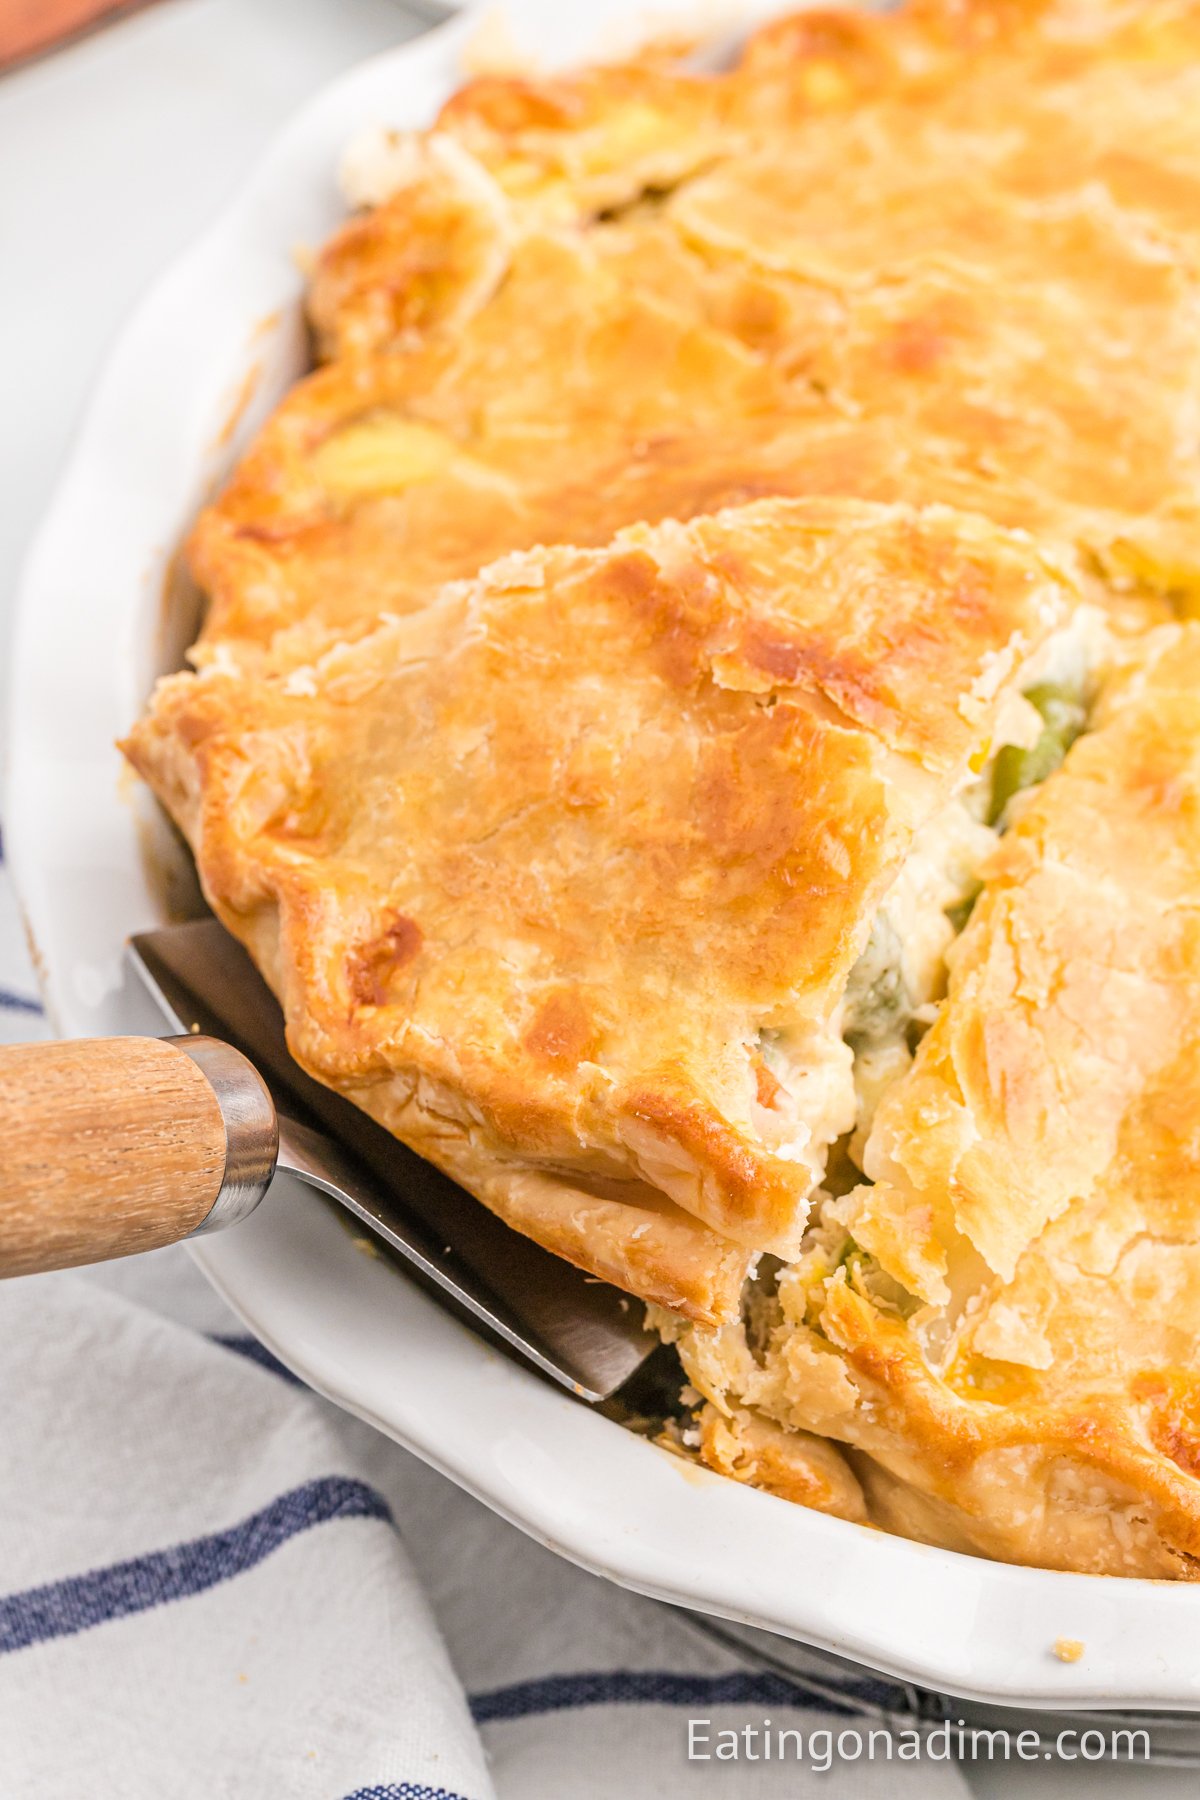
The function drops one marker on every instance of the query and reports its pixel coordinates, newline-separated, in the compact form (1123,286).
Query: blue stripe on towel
(656,1687)
(63,1608)
(403,1790)
(243,1344)
(10,1002)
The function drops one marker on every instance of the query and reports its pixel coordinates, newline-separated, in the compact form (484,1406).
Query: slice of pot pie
(944,255)
(586,877)
(1002,1326)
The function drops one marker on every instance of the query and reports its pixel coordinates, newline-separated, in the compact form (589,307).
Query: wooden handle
(107,1146)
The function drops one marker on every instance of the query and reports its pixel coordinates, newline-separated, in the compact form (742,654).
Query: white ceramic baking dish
(218,340)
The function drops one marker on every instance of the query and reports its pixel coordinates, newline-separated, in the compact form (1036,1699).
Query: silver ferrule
(251,1128)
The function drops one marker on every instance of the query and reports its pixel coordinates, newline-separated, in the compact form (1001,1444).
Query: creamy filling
(804,1099)
(897,984)
(892,996)
(894,988)
(816,1092)
(899,981)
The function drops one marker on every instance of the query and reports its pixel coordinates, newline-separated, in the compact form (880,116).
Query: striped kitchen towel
(216,1586)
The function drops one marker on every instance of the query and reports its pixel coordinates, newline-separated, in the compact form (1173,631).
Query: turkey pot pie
(780,900)
(1002,1326)
(947,254)
(584,879)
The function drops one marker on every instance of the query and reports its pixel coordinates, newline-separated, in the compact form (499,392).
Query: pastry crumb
(1068,1650)
(492,48)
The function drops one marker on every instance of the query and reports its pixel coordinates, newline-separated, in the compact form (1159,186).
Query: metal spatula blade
(581,1331)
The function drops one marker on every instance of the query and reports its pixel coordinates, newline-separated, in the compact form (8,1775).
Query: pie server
(115,1145)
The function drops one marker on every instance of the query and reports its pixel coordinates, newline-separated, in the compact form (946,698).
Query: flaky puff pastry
(947,254)
(562,877)
(1010,1343)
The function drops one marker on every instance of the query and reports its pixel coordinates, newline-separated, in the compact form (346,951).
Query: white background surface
(114,153)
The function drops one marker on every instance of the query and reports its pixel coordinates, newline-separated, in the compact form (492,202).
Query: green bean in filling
(1063,718)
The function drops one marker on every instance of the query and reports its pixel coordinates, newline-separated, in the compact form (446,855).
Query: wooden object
(107,1146)
(28,27)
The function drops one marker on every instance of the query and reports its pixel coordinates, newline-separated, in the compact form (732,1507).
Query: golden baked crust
(1027,1382)
(379,478)
(569,871)
(946,254)
(807,1470)
(535,869)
